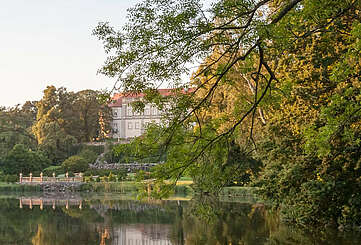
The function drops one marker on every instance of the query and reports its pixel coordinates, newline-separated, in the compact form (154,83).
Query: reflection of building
(147,234)
(128,123)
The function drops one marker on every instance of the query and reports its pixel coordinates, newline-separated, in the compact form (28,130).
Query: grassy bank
(128,187)
(117,187)
(13,187)
(183,188)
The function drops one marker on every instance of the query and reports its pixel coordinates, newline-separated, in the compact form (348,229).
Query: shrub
(142,175)
(112,177)
(89,155)
(10,178)
(53,169)
(21,159)
(121,173)
(78,148)
(75,164)
(105,179)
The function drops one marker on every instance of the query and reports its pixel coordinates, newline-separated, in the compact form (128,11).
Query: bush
(121,173)
(75,164)
(53,169)
(105,179)
(21,159)
(112,177)
(9,178)
(88,155)
(78,148)
(142,175)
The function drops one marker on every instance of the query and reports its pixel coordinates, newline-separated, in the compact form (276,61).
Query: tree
(23,160)
(66,118)
(15,127)
(163,37)
(88,105)
(300,61)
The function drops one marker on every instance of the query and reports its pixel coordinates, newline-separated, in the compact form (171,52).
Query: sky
(49,42)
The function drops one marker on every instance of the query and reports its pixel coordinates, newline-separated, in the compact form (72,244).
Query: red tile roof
(118,97)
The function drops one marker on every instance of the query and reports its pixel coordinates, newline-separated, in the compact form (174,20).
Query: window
(137,125)
(146,111)
(130,111)
(115,113)
(154,111)
(130,125)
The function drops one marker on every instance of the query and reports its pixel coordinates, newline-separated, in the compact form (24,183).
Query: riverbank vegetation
(51,135)
(200,221)
(274,103)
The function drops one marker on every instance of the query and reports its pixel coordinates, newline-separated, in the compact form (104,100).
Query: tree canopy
(23,160)
(15,126)
(67,118)
(277,83)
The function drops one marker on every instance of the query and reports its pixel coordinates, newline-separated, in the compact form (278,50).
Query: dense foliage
(75,164)
(275,100)
(15,127)
(67,118)
(60,125)
(23,160)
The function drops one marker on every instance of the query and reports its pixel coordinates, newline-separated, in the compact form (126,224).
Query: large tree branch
(285,10)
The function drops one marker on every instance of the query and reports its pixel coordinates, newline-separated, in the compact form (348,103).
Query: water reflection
(113,220)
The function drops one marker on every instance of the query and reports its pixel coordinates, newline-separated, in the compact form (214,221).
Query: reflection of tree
(209,221)
(46,227)
(12,229)
(104,236)
(204,220)
(57,228)
(37,239)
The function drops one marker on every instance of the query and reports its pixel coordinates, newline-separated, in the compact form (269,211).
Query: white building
(128,123)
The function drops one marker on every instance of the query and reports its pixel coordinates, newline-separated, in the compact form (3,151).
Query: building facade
(128,123)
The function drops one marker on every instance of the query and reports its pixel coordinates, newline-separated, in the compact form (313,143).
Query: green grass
(118,187)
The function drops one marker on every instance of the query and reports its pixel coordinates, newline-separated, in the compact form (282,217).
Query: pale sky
(49,42)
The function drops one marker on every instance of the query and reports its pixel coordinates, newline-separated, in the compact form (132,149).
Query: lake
(59,219)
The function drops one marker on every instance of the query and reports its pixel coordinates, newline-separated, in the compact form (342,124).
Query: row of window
(130,125)
(147,111)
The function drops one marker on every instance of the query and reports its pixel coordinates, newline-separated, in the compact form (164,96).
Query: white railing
(42,179)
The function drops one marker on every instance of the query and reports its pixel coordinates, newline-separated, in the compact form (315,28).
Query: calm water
(66,220)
